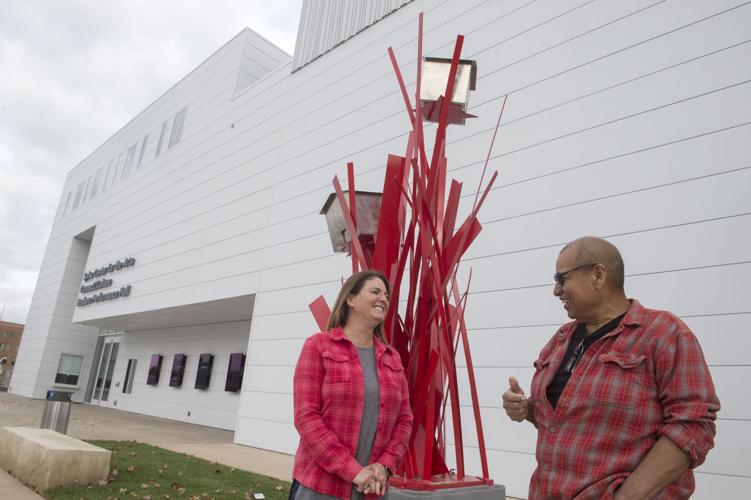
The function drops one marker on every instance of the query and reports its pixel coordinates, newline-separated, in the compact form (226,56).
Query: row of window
(7,347)
(122,165)
(7,335)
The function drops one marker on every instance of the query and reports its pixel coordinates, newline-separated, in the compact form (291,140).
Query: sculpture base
(454,492)
(446,486)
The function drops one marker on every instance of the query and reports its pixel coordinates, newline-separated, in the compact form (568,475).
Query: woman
(351,399)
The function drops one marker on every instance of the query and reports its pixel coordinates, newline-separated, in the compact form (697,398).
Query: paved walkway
(94,422)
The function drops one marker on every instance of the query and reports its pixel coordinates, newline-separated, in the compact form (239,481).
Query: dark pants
(293,489)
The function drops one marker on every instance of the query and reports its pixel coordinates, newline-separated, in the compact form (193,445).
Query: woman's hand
(371,480)
(364,480)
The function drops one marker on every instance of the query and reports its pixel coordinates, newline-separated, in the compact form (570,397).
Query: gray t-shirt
(368,425)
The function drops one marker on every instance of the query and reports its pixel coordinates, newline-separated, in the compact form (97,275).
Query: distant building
(191,238)
(10,339)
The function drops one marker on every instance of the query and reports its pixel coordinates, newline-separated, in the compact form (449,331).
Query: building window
(177,127)
(67,202)
(86,191)
(69,369)
(116,168)
(129,374)
(129,160)
(79,193)
(161,139)
(143,148)
(97,184)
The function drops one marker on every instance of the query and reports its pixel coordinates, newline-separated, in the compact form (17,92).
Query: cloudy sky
(72,73)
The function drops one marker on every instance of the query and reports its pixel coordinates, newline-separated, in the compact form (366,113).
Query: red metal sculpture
(418,247)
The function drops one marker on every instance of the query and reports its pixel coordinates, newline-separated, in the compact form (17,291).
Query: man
(621,397)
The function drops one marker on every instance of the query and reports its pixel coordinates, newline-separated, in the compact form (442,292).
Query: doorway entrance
(103,366)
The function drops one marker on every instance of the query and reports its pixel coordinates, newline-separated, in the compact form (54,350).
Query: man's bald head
(593,250)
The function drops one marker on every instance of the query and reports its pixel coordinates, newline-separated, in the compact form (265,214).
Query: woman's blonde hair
(352,286)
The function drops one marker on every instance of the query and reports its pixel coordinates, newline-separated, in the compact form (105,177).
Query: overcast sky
(72,72)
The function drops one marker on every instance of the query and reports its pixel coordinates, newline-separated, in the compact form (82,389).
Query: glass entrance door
(104,367)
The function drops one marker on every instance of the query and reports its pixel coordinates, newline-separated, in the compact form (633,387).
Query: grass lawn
(150,473)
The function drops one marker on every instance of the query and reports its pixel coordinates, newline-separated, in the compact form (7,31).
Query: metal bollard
(56,411)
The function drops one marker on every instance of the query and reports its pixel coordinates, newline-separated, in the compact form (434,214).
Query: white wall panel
(267,435)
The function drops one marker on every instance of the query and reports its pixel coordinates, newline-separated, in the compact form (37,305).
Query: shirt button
(552,428)
(546,467)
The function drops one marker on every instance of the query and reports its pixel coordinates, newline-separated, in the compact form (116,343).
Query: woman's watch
(388,471)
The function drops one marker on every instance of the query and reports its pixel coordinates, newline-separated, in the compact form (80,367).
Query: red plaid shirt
(645,379)
(329,399)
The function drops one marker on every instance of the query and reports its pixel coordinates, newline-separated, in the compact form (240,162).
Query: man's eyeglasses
(560,278)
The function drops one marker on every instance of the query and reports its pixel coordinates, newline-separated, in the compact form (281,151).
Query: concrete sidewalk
(94,422)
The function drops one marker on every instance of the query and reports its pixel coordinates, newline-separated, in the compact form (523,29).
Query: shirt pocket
(390,376)
(336,367)
(393,372)
(541,366)
(621,380)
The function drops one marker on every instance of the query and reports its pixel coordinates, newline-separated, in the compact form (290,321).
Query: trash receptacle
(56,411)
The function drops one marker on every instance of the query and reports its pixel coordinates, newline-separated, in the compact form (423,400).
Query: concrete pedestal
(43,458)
(493,492)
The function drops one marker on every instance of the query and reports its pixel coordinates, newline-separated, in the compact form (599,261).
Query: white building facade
(195,228)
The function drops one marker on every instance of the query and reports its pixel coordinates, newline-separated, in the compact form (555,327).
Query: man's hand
(515,402)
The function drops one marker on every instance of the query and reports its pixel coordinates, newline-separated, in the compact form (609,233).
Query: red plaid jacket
(329,399)
(645,379)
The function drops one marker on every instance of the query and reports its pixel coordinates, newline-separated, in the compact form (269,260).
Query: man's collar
(634,317)
(634,314)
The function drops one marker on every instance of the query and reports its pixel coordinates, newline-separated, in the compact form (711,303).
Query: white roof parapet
(324,24)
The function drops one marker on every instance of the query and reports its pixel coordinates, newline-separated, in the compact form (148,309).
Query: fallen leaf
(144,486)
(131,468)
(278,487)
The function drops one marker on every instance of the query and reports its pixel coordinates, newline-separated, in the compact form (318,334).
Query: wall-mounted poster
(178,368)
(205,361)
(235,372)
(155,368)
